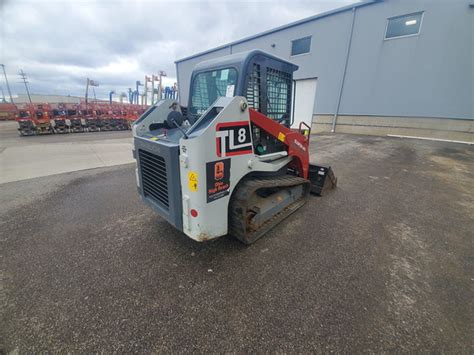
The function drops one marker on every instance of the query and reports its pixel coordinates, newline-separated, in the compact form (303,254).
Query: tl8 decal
(233,138)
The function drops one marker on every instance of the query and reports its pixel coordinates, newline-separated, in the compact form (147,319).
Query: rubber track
(239,203)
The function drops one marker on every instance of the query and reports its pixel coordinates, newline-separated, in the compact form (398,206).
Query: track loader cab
(230,164)
(264,80)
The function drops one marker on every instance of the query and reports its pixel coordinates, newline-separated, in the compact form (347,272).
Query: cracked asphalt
(382,263)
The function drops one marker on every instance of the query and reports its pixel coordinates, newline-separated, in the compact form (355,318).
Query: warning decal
(281,137)
(193,181)
(217,179)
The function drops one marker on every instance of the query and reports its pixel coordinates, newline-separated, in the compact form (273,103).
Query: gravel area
(382,263)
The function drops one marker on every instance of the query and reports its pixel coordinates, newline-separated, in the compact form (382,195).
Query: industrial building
(374,67)
(49,99)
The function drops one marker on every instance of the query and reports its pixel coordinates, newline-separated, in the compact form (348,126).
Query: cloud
(61,43)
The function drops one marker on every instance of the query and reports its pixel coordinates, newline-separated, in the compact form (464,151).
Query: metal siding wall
(430,75)
(325,61)
(425,75)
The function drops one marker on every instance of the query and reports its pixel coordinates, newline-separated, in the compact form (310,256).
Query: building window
(402,26)
(301,46)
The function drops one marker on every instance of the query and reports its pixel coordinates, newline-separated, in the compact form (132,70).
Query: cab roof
(238,60)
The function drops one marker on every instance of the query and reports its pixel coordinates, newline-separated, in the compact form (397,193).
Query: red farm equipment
(73,114)
(59,119)
(42,118)
(105,116)
(25,121)
(34,119)
(90,117)
(119,118)
(8,111)
(131,115)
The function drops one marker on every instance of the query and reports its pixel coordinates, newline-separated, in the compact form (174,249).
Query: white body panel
(199,150)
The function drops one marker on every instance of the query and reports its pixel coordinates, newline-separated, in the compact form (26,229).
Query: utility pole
(6,81)
(3,95)
(23,77)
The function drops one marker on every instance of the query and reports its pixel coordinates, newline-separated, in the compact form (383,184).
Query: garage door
(304,101)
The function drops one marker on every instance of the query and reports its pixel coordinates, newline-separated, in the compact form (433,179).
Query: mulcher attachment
(260,203)
(322,179)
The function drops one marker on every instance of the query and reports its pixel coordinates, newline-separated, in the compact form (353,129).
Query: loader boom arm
(297,144)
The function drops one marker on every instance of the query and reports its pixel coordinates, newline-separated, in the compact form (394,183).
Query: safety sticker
(154,138)
(281,136)
(193,181)
(217,179)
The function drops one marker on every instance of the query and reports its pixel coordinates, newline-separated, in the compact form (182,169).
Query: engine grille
(154,177)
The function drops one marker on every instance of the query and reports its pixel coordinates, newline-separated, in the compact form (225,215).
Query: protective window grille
(278,94)
(253,88)
(221,87)
(201,98)
(208,86)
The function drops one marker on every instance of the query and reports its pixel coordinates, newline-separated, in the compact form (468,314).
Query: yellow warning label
(193,180)
(154,138)
(281,136)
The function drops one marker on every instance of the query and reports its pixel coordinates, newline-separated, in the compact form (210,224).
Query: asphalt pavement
(29,157)
(382,263)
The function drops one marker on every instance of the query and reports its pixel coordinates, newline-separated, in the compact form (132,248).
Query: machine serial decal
(217,179)
(233,138)
(193,181)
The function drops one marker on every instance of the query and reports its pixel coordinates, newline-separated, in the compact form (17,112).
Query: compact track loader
(231,164)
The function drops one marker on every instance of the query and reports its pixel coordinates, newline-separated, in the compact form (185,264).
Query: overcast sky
(61,43)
